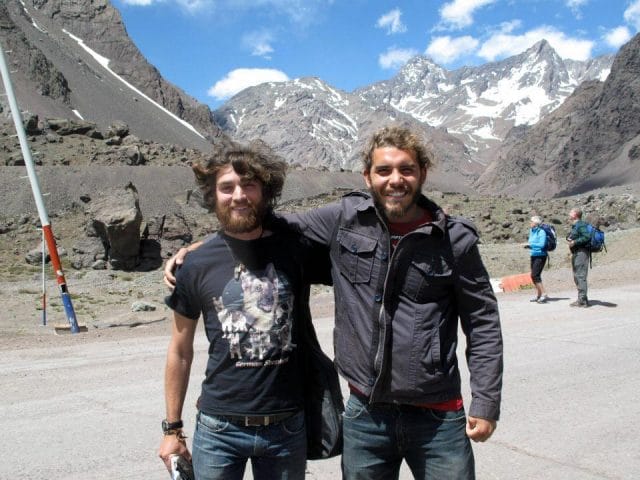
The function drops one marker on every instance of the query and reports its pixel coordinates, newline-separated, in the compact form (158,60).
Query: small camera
(181,468)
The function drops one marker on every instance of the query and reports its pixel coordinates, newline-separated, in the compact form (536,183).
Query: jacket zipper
(379,358)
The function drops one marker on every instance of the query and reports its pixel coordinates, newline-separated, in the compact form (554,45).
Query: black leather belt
(258,420)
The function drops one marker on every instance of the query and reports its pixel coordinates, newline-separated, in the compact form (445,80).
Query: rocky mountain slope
(315,125)
(74,60)
(592,140)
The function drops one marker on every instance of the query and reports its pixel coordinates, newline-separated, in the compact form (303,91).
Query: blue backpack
(597,239)
(551,237)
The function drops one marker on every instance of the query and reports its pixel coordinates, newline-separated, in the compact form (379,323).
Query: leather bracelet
(177,432)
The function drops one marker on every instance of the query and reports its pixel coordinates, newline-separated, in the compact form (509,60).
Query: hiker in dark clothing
(579,240)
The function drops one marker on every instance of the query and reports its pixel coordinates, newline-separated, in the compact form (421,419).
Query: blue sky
(212,49)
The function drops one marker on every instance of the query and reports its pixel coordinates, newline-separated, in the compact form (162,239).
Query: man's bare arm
(176,382)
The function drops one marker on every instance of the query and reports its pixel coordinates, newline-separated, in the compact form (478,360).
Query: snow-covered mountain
(315,125)
(592,140)
(476,105)
(480,105)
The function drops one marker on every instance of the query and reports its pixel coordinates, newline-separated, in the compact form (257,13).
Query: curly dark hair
(255,161)
(399,137)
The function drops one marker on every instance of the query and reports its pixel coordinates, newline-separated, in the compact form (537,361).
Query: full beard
(244,224)
(395,210)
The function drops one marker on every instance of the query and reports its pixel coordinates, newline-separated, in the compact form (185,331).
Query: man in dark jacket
(579,240)
(404,273)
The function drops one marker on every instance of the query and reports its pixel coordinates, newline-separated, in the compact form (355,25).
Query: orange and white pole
(37,195)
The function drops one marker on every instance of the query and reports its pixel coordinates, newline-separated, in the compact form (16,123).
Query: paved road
(570,411)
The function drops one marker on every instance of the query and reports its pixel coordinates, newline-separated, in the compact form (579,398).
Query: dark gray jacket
(396,318)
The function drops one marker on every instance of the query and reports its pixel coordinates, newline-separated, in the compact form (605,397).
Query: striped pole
(35,187)
(44,283)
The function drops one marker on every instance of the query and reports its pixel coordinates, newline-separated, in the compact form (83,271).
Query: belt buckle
(256,421)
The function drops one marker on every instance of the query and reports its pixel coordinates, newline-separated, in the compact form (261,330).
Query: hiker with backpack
(579,240)
(541,241)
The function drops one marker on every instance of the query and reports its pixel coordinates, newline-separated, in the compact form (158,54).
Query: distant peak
(542,47)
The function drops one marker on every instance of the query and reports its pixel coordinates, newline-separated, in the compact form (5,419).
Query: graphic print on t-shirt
(256,317)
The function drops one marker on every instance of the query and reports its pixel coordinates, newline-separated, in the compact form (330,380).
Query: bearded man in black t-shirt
(250,282)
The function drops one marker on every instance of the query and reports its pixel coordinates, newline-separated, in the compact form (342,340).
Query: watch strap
(170,427)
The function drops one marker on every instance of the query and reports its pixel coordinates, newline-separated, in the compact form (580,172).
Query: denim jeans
(221,449)
(378,437)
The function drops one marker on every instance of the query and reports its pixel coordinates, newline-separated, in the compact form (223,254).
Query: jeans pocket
(448,415)
(211,423)
(354,408)
(294,424)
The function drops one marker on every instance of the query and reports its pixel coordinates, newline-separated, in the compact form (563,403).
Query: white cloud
(503,44)
(391,21)
(395,58)
(632,14)
(459,13)
(241,78)
(617,37)
(506,27)
(446,49)
(259,43)
(575,5)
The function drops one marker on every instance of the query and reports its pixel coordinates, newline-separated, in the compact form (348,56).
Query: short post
(44,282)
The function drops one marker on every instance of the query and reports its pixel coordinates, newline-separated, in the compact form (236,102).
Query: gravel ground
(103,299)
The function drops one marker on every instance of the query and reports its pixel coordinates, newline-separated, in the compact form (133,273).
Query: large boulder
(116,218)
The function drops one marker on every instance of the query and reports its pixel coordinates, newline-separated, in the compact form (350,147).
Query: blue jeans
(221,449)
(378,437)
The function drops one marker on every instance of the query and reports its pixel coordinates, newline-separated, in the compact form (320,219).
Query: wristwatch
(171,427)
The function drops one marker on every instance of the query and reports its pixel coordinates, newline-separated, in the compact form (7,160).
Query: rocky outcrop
(30,60)
(89,252)
(61,141)
(116,219)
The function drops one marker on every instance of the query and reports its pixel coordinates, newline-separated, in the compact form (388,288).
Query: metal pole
(44,283)
(35,187)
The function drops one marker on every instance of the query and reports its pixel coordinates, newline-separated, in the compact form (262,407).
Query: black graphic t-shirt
(250,294)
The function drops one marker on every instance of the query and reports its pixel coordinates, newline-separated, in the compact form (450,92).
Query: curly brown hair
(255,161)
(399,137)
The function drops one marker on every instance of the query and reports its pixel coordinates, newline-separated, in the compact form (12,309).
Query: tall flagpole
(35,187)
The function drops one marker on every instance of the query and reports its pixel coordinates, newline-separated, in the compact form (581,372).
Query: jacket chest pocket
(428,279)
(356,255)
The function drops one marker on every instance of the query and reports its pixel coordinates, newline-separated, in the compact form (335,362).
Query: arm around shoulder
(168,273)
